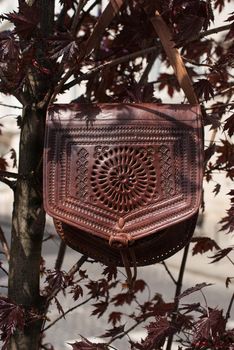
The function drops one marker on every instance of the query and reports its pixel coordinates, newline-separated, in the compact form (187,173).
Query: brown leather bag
(123,182)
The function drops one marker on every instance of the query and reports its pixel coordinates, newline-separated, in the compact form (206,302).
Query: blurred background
(198,268)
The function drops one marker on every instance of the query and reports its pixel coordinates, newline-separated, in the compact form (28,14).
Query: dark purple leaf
(110,272)
(157,333)
(25,21)
(110,333)
(85,344)
(221,254)
(3,164)
(77,292)
(196,288)
(210,326)
(100,308)
(229,125)
(13,157)
(203,89)
(123,298)
(203,245)
(12,317)
(216,189)
(114,317)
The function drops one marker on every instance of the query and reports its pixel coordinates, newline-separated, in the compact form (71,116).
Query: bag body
(124,178)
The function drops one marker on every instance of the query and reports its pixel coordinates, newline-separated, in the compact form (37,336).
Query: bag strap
(174,56)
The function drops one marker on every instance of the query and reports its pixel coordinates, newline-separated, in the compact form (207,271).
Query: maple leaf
(203,88)
(85,344)
(9,47)
(157,333)
(77,292)
(228,221)
(229,125)
(12,317)
(219,4)
(123,298)
(25,21)
(67,3)
(110,333)
(111,272)
(114,317)
(139,286)
(190,26)
(59,307)
(228,281)
(3,164)
(100,308)
(221,254)
(209,152)
(210,325)
(14,157)
(196,288)
(64,46)
(203,244)
(226,153)
(56,280)
(216,189)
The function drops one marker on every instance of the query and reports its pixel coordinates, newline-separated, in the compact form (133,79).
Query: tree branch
(111,63)
(213,31)
(65,313)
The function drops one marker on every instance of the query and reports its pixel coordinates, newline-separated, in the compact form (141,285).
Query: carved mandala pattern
(124,178)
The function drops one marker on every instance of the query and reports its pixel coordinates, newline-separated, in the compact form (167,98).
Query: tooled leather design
(167,180)
(174,188)
(124,178)
(82,173)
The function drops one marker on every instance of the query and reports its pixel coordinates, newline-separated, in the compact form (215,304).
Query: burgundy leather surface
(148,250)
(122,171)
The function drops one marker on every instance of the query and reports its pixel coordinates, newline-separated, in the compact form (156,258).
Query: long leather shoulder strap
(174,56)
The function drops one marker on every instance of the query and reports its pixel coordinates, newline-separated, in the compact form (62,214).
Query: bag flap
(123,168)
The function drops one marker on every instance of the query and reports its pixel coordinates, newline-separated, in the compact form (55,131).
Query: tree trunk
(27,227)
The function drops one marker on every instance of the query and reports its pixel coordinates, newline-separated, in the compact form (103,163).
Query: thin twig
(178,290)
(65,313)
(60,256)
(4,243)
(76,16)
(10,106)
(145,74)
(213,31)
(197,63)
(4,270)
(111,63)
(70,273)
(120,336)
(169,272)
(229,308)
